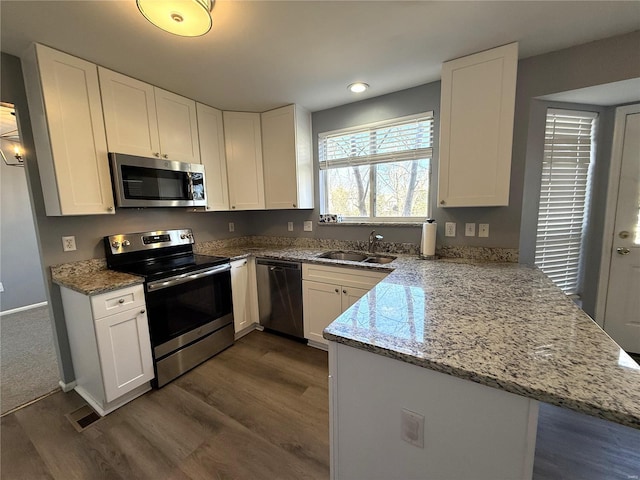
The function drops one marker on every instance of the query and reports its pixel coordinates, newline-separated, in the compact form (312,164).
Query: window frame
(372,219)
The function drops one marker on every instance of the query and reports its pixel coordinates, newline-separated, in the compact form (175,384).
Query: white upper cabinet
(476,128)
(243,144)
(213,157)
(147,121)
(68,128)
(129,114)
(287,158)
(177,127)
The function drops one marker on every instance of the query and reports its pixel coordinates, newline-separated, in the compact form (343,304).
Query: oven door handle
(184,278)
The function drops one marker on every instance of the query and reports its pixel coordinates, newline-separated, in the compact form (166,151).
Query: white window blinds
(401,139)
(564,193)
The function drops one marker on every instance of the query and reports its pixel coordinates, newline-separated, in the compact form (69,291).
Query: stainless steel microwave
(152,182)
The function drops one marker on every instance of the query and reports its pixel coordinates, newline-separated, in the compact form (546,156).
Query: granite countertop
(502,325)
(498,324)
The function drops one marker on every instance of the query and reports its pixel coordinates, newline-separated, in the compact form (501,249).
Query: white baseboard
(249,329)
(23,309)
(67,387)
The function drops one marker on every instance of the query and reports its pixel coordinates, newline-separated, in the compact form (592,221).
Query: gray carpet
(28,365)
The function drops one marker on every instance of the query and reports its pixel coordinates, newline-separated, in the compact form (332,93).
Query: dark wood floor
(259,410)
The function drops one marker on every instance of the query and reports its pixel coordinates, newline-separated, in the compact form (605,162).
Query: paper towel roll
(428,245)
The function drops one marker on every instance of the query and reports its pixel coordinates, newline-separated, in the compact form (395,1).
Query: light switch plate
(469,229)
(412,428)
(483,230)
(308,226)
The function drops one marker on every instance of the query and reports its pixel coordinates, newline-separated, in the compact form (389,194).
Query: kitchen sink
(356,257)
(340,255)
(379,259)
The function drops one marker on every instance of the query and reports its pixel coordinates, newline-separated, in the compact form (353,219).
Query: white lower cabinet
(245,296)
(110,346)
(327,292)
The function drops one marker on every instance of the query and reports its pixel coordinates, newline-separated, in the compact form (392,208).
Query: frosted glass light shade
(187,18)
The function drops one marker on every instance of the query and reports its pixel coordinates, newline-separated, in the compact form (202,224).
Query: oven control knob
(126,243)
(115,244)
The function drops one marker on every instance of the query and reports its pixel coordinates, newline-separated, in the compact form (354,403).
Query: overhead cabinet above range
(146,121)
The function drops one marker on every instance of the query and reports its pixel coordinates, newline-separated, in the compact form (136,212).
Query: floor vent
(83,417)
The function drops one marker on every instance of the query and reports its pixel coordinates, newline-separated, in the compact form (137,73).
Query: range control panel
(136,242)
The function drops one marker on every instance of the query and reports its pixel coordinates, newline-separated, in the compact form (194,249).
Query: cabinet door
(476,128)
(177,127)
(243,145)
(129,114)
(286,152)
(70,137)
(351,295)
(125,352)
(322,305)
(213,157)
(242,301)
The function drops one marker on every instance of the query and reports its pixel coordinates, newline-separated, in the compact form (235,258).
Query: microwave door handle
(190,185)
(184,278)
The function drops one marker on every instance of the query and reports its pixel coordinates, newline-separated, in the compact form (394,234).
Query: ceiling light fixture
(187,18)
(358,87)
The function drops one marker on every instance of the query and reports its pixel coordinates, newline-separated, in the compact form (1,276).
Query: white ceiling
(264,54)
(616,93)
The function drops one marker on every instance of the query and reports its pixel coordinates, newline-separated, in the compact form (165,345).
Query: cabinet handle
(233,206)
(337,291)
(344,291)
(294,205)
(442,202)
(165,155)
(142,311)
(156,154)
(110,209)
(121,300)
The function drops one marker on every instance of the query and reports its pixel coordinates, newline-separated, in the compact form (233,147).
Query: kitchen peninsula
(472,346)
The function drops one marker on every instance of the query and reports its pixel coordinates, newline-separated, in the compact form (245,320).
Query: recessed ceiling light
(358,87)
(187,18)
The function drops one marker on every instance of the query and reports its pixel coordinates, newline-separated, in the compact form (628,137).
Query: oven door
(187,307)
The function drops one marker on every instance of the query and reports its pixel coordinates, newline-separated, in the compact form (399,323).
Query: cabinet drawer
(350,277)
(117,301)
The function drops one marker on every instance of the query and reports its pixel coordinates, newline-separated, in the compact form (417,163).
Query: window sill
(369,224)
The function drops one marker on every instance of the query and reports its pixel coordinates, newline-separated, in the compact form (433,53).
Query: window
(378,172)
(569,150)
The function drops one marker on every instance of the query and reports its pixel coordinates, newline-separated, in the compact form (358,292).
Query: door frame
(610,208)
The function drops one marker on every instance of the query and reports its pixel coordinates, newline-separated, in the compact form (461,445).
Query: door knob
(623,250)
(624,234)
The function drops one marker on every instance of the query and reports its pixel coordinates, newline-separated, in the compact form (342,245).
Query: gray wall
(20,270)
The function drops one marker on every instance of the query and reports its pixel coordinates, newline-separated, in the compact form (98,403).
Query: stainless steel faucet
(373,238)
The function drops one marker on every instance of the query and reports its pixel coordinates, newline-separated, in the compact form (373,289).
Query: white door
(213,157)
(351,295)
(322,305)
(130,118)
(240,294)
(279,158)
(177,127)
(125,352)
(622,310)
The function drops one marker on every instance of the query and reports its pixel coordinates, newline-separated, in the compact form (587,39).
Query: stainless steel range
(188,297)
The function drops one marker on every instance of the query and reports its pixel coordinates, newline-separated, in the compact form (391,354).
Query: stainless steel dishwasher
(280,296)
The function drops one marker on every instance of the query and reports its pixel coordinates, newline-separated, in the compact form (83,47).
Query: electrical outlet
(69,243)
(450,229)
(308,226)
(483,230)
(412,428)
(232,227)
(1,287)
(469,229)
(290,226)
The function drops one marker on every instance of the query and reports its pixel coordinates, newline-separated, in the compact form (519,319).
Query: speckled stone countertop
(498,324)
(502,325)
(91,277)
